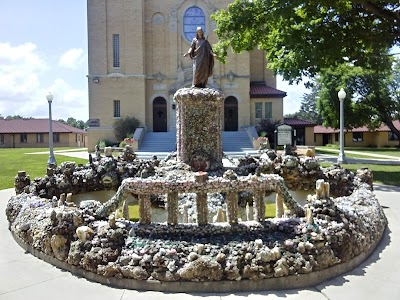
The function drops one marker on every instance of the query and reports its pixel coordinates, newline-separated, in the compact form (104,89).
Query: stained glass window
(193,18)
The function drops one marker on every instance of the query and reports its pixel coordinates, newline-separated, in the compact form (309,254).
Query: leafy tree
(294,115)
(372,96)
(308,109)
(302,37)
(16,117)
(74,123)
(125,127)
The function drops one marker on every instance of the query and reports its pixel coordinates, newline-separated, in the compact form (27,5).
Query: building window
(39,138)
(393,136)
(116,62)
(117,109)
(193,18)
(56,137)
(357,136)
(336,136)
(1,138)
(258,110)
(268,110)
(23,138)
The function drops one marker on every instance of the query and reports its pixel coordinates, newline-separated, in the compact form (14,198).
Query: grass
(16,159)
(383,174)
(349,155)
(368,150)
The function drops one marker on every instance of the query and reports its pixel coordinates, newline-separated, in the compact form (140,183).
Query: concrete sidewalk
(23,276)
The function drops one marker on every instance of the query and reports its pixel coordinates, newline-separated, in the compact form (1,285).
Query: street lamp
(52,160)
(342,158)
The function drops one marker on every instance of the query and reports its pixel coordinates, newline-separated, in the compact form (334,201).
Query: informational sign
(284,135)
(94,123)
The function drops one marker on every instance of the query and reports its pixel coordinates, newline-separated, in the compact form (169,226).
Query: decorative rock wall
(199,128)
(337,232)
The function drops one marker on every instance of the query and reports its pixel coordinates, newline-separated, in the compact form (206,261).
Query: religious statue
(203,59)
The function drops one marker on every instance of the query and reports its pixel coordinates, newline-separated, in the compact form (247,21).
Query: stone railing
(201,185)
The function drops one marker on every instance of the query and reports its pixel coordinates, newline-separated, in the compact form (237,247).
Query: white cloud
(20,68)
(295,93)
(72,59)
(68,101)
(26,78)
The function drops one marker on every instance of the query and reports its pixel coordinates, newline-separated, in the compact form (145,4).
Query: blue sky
(43,47)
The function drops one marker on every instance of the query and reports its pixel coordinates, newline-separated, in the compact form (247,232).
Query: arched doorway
(231,114)
(159,115)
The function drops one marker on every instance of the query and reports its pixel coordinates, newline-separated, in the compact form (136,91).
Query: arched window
(193,18)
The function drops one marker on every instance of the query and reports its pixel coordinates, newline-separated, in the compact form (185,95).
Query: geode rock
(137,273)
(75,255)
(202,269)
(59,246)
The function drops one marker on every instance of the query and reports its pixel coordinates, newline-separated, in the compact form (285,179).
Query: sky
(43,48)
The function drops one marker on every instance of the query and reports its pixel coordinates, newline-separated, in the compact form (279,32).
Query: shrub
(125,126)
(266,128)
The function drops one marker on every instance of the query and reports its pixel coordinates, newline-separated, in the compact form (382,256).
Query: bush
(266,128)
(123,144)
(105,143)
(125,126)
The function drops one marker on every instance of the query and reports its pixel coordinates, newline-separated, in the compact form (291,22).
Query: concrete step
(232,141)
(158,142)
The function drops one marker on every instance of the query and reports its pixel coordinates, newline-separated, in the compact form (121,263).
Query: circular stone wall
(291,252)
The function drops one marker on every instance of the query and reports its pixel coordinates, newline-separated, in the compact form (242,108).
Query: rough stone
(202,269)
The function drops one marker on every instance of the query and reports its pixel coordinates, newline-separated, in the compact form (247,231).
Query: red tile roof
(35,126)
(260,89)
(298,122)
(383,128)
(323,129)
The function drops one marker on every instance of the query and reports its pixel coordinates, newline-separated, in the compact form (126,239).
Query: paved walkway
(23,276)
(366,158)
(376,159)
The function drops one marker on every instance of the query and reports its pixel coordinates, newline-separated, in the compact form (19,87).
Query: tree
(308,109)
(373,97)
(16,117)
(125,127)
(301,38)
(74,123)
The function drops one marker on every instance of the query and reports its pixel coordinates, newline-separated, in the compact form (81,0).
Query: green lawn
(370,151)
(16,159)
(383,174)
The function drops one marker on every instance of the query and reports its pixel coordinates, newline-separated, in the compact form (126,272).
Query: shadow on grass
(387,177)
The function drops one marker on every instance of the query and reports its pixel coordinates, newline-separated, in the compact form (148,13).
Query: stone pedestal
(199,128)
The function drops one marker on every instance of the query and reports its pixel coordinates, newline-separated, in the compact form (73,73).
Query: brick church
(136,65)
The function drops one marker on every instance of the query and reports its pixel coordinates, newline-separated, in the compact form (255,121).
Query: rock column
(172,200)
(232,207)
(259,206)
(279,206)
(144,209)
(199,128)
(201,200)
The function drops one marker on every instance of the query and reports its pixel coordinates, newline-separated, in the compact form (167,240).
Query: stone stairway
(234,143)
(158,142)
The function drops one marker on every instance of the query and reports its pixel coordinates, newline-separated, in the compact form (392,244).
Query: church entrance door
(159,115)
(231,114)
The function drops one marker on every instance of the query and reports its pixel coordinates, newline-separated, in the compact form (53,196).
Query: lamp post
(52,160)
(342,158)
